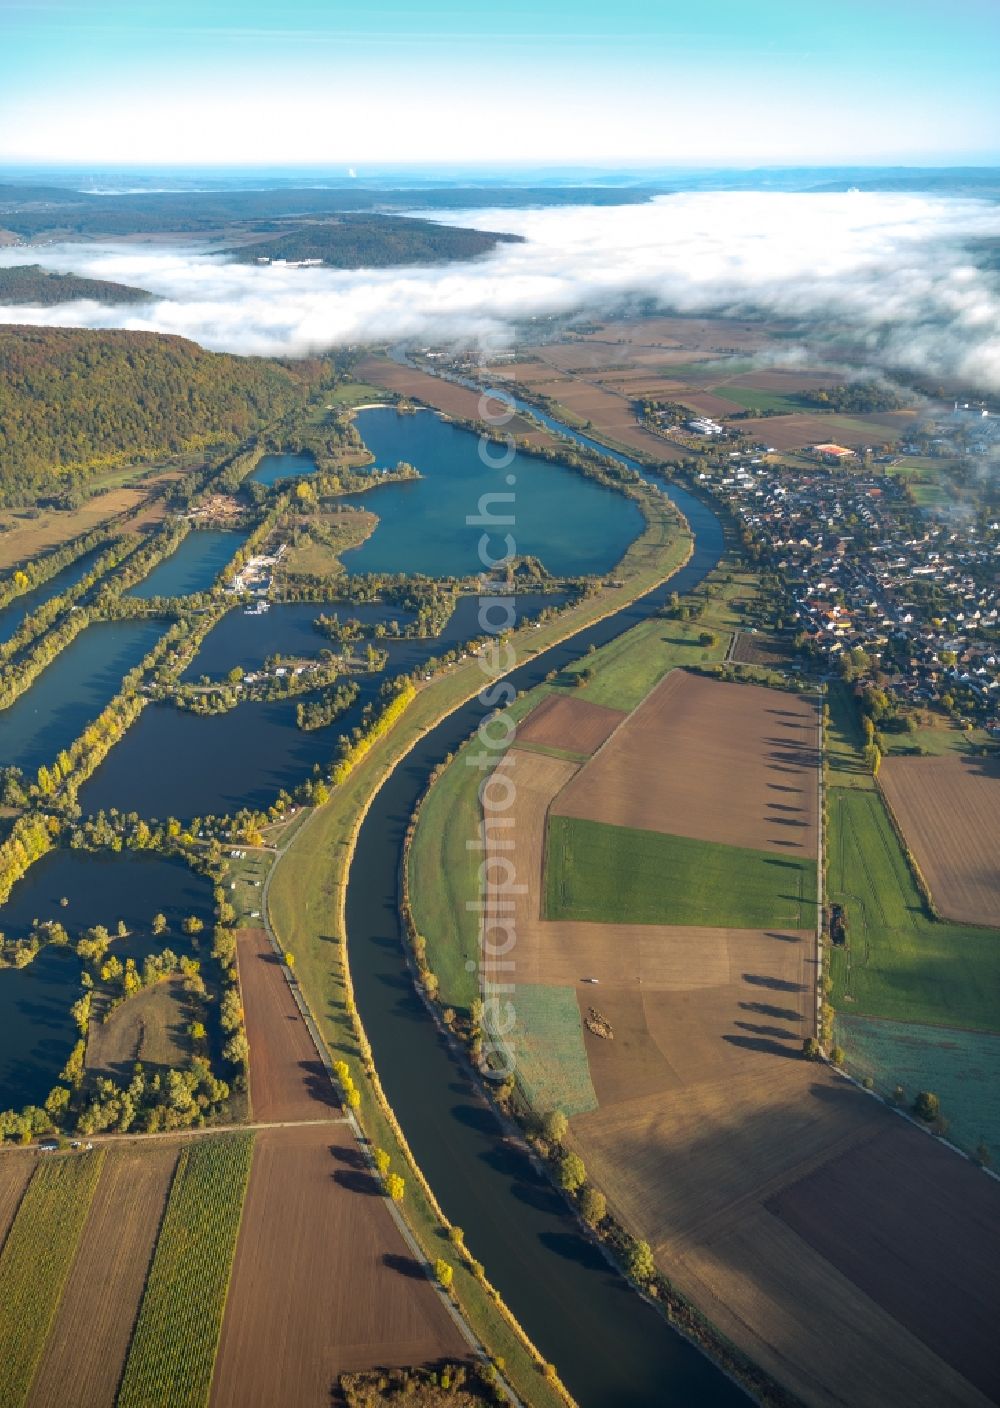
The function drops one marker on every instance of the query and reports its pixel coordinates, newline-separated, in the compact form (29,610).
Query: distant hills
(374,241)
(29,285)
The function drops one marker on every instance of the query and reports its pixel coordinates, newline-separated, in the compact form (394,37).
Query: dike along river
(610,1347)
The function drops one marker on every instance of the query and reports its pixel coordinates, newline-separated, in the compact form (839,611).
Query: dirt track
(949,810)
(322,1282)
(734,763)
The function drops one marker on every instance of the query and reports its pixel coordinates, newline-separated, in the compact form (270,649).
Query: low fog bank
(892,273)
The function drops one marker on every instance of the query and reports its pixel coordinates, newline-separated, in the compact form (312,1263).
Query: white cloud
(887,272)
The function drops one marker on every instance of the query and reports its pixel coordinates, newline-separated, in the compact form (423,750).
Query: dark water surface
(273,468)
(13,616)
(573,524)
(193,567)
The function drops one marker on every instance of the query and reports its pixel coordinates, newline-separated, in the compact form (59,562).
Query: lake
(12,617)
(175,763)
(193,566)
(273,468)
(72,691)
(572,524)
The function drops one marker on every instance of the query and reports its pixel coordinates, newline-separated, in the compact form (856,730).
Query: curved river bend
(612,1349)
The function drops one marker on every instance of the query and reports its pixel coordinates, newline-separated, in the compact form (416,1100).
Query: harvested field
(287,1079)
(758,650)
(15,1170)
(150,1027)
(322,1282)
(943,1284)
(949,811)
(25,538)
(795,432)
(573,724)
(444,396)
(83,1359)
(730,763)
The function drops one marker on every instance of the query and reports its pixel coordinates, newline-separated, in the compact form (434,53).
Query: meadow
(620,875)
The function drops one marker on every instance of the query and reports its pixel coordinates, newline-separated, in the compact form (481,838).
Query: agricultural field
(560,720)
(83,1359)
(14,1175)
(322,1282)
(948,809)
(899,962)
(445,396)
(287,1078)
(172,1353)
(961,1067)
(620,875)
(795,432)
(25,534)
(731,764)
(36,1260)
(690,1103)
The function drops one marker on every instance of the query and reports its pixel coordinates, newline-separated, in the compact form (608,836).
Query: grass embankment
(172,1355)
(619,875)
(36,1261)
(306,911)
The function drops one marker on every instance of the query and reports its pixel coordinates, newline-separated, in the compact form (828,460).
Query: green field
(549,1054)
(962,1068)
(356,393)
(617,875)
(36,1260)
(845,766)
(752,399)
(172,1355)
(900,962)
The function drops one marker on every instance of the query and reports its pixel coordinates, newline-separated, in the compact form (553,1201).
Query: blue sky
(319,81)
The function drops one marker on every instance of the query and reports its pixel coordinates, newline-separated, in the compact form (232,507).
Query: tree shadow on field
(344,1154)
(784,1014)
(779,1033)
(785,938)
(764,1045)
(761,980)
(357,1181)
(407,1266)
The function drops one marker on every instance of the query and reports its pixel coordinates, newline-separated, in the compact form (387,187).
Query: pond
(193,566)
(273,468)
(572,524)
(175,763)
(103,887)
(13,616)
(37,1033)
(286,628)
(72,691)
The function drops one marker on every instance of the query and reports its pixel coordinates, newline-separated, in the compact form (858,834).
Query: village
(875,588)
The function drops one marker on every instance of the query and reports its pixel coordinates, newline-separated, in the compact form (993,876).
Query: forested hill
(73,401)
(29,285)
(374,242)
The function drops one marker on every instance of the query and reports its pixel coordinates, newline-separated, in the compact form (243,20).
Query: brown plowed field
(708,1114)
(322,1281)
(949,811)
(734,763)
(797,431)
(287,1079)
(15,1170)
(942,1284)
(573,724)
(86,1349)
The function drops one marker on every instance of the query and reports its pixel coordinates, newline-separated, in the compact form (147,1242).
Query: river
(611,1347)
